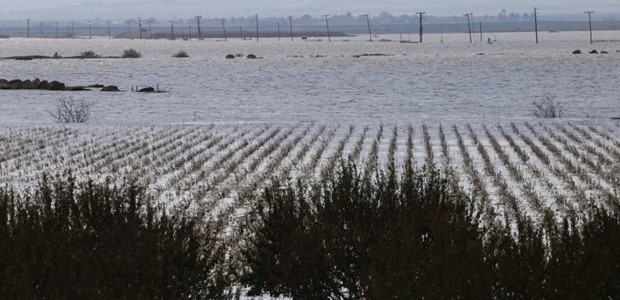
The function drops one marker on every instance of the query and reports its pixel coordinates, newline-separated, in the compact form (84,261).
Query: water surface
(319,81)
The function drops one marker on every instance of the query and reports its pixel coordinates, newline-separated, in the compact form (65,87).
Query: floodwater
(320,81)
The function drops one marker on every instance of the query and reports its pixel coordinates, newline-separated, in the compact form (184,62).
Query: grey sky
(168,9)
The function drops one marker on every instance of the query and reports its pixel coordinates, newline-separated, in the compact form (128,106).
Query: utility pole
(199,31)
(140,27)
(290,22)
(28,28)
(150,31)
(481,31)
(590,12)
(329,38)
(129,27)
(223,21)
(421,28)
(172,30)
(368,22)
(469,25)
(109,31)
(90,30)
(536,23)
(257,27)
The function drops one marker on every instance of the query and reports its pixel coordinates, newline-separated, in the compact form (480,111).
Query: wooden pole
(469,26)
(536,24)
(421,28)
(290,22)
(329,38)
(590,22)
(368,22)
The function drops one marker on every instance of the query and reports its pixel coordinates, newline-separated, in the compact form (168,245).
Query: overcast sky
(169,9)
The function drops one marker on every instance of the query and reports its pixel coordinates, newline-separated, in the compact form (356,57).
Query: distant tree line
(384,18)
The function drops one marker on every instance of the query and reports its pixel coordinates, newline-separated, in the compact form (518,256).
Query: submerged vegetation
(181,54)
(548,107)
(85,54)
(71,110)
(131,53)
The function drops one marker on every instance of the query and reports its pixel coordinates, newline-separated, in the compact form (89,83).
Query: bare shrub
(548,107)
(70,110)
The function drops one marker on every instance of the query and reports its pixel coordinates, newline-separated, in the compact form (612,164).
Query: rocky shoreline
(37,84)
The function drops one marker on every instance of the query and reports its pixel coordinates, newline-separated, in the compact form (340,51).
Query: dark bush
(131,53)
(517,263)
(181,54)
(89,54)
(352,236)
(585,262)
(87,241)
(416,237)
(419,237)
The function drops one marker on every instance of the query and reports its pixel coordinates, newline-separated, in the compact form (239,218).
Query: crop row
(515,170)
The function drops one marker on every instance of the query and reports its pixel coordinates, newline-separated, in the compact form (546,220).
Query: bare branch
(548,107)
(70,110)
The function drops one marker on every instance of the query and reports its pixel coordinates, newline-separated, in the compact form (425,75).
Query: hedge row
(86,241)
(419,237)
(352,236)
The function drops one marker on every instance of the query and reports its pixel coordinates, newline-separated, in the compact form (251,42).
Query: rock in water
(27,85)
(4,84)
(147,90)
(57,86)
(110,88)
(44,85)
(15,84)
